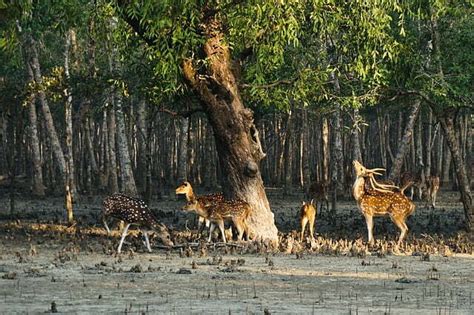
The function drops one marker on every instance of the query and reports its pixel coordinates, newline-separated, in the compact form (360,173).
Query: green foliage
(289,51)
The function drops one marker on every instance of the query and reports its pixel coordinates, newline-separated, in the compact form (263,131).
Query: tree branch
(185,114)
(270,85)
(134,23)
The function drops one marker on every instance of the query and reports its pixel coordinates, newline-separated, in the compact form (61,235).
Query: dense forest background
(104,96)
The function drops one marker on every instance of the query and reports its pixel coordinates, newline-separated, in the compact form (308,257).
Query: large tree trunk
(405,142)
(237,140)
(446,119)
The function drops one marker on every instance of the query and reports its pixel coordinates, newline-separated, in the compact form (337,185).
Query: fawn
(432,187)
(381,200)
(133,211)
(186,189)
(218,212)
(307,215)
(318,191)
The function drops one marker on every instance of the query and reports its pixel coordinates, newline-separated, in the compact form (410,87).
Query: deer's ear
(312,201)
(303,203)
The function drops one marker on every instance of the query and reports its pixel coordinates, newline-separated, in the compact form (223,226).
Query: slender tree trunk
(429,144)
(55,144)
(37,180)
(237,139)
(403,145)
(305,146)
(89,146)
(356,152)
(142,143)
(288,154)
(183,151)
(447,123)
(325,151)
(112,160)
(337,165)
(126,172)
(70,186)
(445,179)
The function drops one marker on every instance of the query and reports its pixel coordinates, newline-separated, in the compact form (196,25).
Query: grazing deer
(432,187)
(307,215)
(318,191)
(412,181)
(381,200)
(133,211)
(186,189)
(218,212)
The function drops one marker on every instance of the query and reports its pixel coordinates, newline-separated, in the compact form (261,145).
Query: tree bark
(53,136)
(112,157)
(356,152)
(237,140)
(126,172)
(183,151)
(404,144)
(447,123)
(142,143)
(37,180)
(325,151)
(70,186)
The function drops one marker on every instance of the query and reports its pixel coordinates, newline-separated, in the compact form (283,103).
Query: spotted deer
(307,215)
(432,187)
(186,189)
(381,200)
(412,181)
(133,211)
(218,212)
(318,191)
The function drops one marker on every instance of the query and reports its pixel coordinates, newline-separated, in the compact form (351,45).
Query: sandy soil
(45,267)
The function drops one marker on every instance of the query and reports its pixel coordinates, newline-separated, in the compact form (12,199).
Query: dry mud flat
(46,267)
(231,284)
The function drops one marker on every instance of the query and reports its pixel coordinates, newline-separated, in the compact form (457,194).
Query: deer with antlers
(381,199)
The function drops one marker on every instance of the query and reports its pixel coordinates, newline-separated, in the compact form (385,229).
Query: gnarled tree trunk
(237,140)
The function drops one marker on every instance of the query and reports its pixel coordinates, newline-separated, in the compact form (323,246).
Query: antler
(370,173)
(380,187)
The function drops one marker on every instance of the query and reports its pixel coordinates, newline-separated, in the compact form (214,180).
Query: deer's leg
(147,240)
(400,223)
(369,220)
(433,198)
(239,225)
(106,225)
(304,221)
(202,222)
(124,234)
(211,229)
(222,229)
(311,227)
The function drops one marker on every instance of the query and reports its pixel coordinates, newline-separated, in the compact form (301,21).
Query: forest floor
(46,266)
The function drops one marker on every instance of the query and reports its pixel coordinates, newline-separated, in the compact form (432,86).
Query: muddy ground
(46,266)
